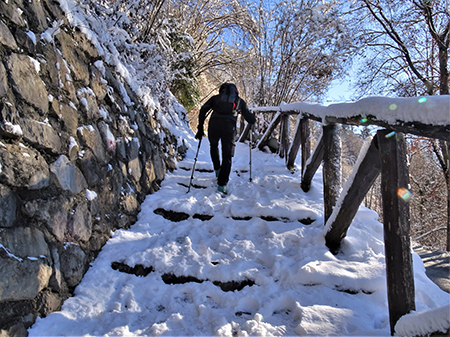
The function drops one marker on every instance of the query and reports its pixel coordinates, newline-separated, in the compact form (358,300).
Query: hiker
(222,126)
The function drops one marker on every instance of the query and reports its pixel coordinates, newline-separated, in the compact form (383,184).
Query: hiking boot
(222,189)
(217,173)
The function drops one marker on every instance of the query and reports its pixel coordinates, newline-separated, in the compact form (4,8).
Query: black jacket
(218,107)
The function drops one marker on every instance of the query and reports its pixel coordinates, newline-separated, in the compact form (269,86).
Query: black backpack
(229,99)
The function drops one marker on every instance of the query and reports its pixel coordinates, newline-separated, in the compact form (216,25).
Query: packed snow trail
(255,238)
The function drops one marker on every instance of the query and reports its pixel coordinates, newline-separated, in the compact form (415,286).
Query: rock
(9,10)
(3,78)
(158,165)
(98,83)
(108,137)
(134,165)
(78,66)
(40,135)
(8,130)
(16,330)
(90,137)
(89,104)
(68,176)
(24,262)
(56,281)
(23,167)
(58,74)
(6,37)
(47,302)
(24,41)
(53,213)
(73,149)
(73,264)
(26,81)
(79,227)
(8,206)
(36,18)
(90,168)
(86,45)
(68,115)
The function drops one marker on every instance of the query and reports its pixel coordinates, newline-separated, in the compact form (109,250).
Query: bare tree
(407,56)
(301,49)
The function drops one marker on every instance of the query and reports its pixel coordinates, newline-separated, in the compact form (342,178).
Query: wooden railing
(385,154)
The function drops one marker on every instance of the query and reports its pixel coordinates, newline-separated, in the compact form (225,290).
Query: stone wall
(76,161)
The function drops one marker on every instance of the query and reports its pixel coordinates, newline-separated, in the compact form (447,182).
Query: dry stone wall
(76,161)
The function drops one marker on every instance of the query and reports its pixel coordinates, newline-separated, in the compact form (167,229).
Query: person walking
(222,126)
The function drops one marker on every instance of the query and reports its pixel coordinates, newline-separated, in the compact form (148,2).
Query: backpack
(229,99)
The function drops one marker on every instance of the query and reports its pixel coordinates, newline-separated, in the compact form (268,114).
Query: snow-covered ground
(295,286)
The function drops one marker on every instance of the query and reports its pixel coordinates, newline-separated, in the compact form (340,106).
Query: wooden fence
(386,154)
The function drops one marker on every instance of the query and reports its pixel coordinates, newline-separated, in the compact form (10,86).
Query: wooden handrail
(426,117)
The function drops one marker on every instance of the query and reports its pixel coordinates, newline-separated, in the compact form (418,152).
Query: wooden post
(331,167)
(394,190)
(293,150)
(312,165)
(276,120)
(364,177)
(284,136)
(243,137)
(306,141)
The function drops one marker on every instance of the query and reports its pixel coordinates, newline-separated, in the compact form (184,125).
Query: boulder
(26,81)
(24,41)
(47,302)
(23,167)
(79,227)
(89,105)
(98,83)
(9,10)
(24,262)
(134,164)
(56,281)
(36,18)
(6,37)
(40,135)
(68,176)
(8,206)
(54,213)
(73,264)
(68,115)
(78,66)
(90,167)
(3,78)
(91,138)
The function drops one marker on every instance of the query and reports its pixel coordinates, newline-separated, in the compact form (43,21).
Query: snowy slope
(294,285)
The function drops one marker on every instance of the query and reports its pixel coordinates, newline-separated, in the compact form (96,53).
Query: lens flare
(422,99)
(393,106)
(363,120)
(390,134)
(404,193)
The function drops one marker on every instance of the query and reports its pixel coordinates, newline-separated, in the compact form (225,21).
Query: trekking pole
(250,146)
(193,167)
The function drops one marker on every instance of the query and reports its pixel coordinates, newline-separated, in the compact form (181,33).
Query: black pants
(225,131)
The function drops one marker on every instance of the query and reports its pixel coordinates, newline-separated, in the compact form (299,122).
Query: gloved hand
(200,133)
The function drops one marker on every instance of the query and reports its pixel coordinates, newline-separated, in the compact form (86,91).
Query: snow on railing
(424,323)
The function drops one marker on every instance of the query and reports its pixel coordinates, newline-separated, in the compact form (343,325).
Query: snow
(435,320)
(90,195)
(299,288)
(433,110)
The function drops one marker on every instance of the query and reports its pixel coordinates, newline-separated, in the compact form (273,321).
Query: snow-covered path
(255,239)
